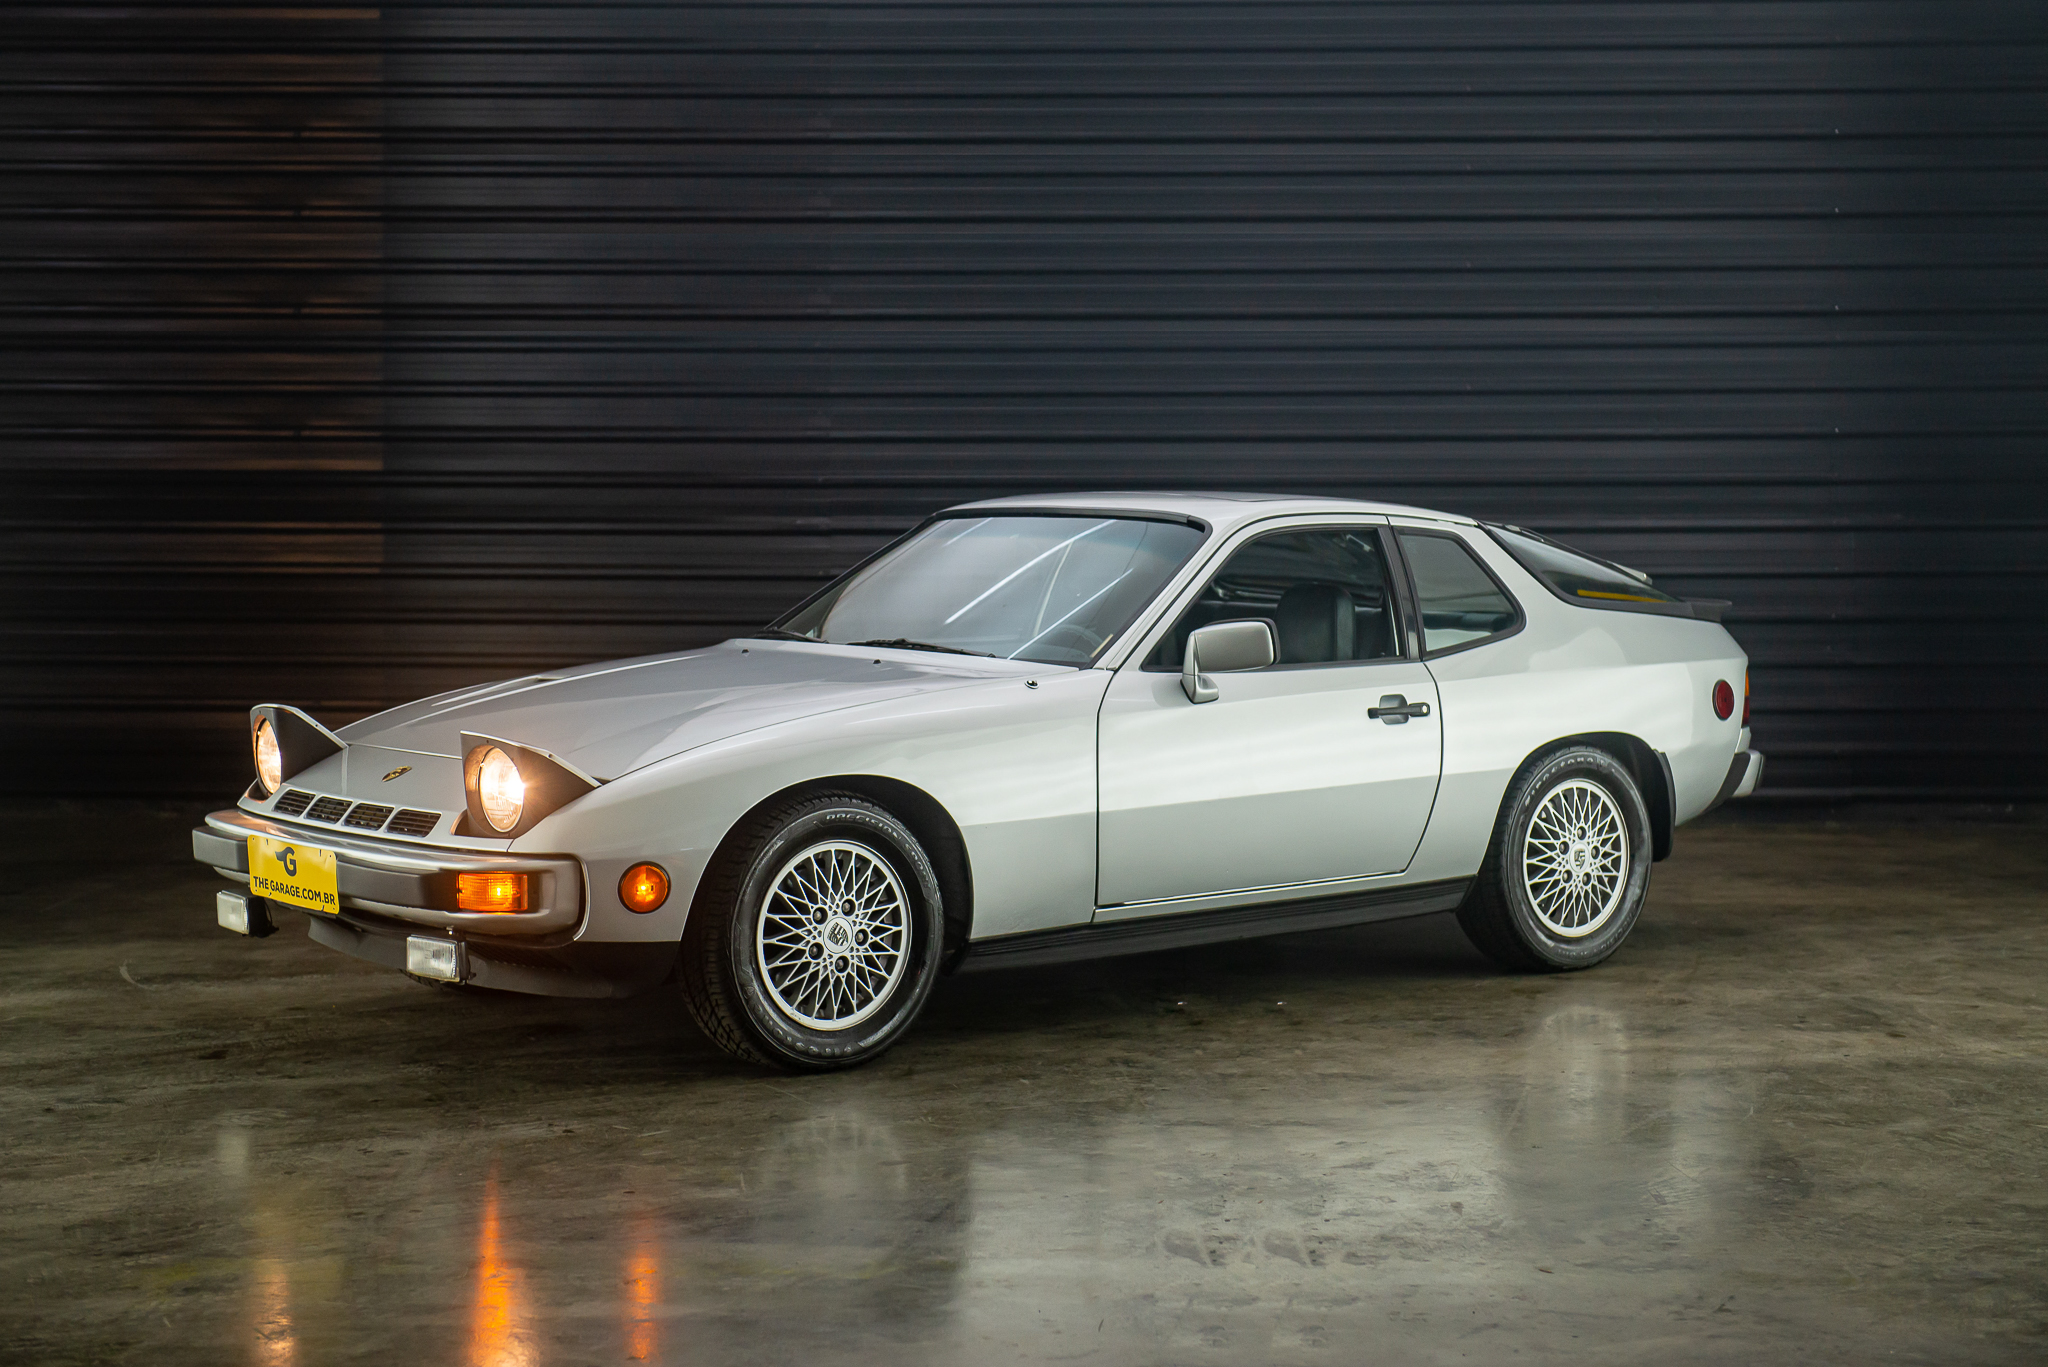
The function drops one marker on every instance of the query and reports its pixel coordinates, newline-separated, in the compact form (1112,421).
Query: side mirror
(1225,647)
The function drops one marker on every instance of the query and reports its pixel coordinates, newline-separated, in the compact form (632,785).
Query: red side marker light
(644,887)
(1724,700)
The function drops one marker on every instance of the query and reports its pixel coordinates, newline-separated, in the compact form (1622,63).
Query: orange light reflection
(276,1344)
(500,1332)
(643,1293)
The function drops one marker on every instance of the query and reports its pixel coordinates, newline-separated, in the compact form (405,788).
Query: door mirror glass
(1226,648)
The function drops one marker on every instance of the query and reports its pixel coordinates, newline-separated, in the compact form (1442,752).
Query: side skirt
(1106,939)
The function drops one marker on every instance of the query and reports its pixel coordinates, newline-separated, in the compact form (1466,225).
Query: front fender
(1011,760)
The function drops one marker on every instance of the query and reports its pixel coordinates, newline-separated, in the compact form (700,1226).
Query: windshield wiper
(778,634)
(899,643)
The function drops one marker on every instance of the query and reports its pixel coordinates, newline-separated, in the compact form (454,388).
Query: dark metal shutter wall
(353,356)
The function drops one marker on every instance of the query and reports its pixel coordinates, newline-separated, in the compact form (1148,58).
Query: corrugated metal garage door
(353,355)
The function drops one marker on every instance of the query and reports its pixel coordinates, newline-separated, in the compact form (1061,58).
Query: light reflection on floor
(1296,1193)
(501,1331)
(1752,1132)
(272,1302)
(1014,1228)
(643,1293)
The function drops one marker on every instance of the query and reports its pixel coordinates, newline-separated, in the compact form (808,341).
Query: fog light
(243,914)
(490,892)
(644,887)
(437,959)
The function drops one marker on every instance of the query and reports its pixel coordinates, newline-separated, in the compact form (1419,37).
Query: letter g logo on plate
(289,857)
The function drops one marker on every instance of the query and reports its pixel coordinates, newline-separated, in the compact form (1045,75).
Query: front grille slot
(368,816)
(328,809)
(413,822)
(361,816)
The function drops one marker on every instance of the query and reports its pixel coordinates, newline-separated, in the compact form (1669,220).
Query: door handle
(1395,710)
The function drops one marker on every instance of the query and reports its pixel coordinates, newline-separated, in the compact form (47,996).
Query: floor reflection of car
(1026,731)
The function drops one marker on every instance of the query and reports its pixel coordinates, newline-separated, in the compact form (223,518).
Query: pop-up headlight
(269,759)
(285,742)
(511,787)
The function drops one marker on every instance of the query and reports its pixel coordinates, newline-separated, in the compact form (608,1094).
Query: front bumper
(393,897)
(565,970)
(410,883)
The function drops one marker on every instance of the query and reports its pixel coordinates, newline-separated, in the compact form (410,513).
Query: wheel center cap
(838,935)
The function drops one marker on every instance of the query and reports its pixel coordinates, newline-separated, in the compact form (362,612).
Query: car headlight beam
(269,758)
(499,789)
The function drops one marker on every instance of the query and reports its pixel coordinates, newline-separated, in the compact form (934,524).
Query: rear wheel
(1569,866)
(818,936)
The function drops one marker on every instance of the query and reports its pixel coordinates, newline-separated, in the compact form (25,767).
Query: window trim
(1415,595)
(1396,589)
(1684,607)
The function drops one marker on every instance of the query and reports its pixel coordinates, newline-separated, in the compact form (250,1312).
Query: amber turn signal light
(490,892)
(1745,697)
(644,887)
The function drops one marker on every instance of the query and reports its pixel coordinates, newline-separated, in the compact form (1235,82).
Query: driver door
(1283,780)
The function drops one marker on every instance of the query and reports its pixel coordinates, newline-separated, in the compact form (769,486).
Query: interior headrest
(1317,623)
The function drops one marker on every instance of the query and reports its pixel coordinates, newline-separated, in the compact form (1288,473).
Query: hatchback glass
(1577,577)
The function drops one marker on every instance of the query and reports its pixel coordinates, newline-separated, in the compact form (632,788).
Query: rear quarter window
(1461,604)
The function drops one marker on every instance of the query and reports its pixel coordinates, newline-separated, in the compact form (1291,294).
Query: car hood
(611,719)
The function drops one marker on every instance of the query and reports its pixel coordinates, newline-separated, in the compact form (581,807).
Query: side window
(1323,591)
(1459,601)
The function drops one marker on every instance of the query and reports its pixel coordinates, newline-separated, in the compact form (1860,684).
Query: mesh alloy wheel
(1567,872)
(831,938)
(1575,859)
(815,936)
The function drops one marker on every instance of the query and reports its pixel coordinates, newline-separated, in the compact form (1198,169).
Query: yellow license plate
(297,875)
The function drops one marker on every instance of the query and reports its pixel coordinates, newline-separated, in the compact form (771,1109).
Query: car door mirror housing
(1225,648)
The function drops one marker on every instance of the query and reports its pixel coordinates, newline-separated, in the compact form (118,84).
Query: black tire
(732,990)
(1501,917)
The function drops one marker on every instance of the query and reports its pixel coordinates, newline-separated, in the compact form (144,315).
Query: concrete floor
(1800,1118)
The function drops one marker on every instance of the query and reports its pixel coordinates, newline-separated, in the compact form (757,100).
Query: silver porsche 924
(1029,730)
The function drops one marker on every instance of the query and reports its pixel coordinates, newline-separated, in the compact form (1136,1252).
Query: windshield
(1051,589)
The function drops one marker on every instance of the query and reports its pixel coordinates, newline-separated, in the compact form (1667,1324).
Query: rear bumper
(1745,771)
(405,882)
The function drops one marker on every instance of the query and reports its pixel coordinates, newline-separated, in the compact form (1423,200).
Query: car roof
(1221,511)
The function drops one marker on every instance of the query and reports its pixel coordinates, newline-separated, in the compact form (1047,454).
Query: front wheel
(818,936)
(1568,869)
